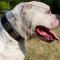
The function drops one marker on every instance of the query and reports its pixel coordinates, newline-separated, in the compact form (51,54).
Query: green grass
(40,50)
(4,6)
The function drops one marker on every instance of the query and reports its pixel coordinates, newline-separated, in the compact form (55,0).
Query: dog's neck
(7,26)
(16,24)
(12,20)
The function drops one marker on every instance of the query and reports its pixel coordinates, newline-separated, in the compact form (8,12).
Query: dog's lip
(48,34)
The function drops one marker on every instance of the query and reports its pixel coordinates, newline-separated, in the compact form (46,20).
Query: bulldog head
(36,18)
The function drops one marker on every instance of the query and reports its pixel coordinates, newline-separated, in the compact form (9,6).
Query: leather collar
(7,26)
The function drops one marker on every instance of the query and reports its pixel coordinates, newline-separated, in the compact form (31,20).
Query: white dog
(21,23)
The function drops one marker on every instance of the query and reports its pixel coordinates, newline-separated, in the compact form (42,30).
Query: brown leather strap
(9,29)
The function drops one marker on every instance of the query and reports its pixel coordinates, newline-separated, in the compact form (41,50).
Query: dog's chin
(47,34)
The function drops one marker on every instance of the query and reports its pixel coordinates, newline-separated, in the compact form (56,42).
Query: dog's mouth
(46,33)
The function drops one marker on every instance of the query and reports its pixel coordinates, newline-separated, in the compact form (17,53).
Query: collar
(9,29)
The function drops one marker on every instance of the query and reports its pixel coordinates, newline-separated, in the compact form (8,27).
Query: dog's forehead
(36,4)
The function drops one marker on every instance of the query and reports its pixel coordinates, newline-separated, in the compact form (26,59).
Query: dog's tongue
(48,35)
(44,34)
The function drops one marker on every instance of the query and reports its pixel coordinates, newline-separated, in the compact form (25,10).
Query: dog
(23,22)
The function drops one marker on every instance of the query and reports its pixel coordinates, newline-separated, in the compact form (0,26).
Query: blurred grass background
(38,49)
